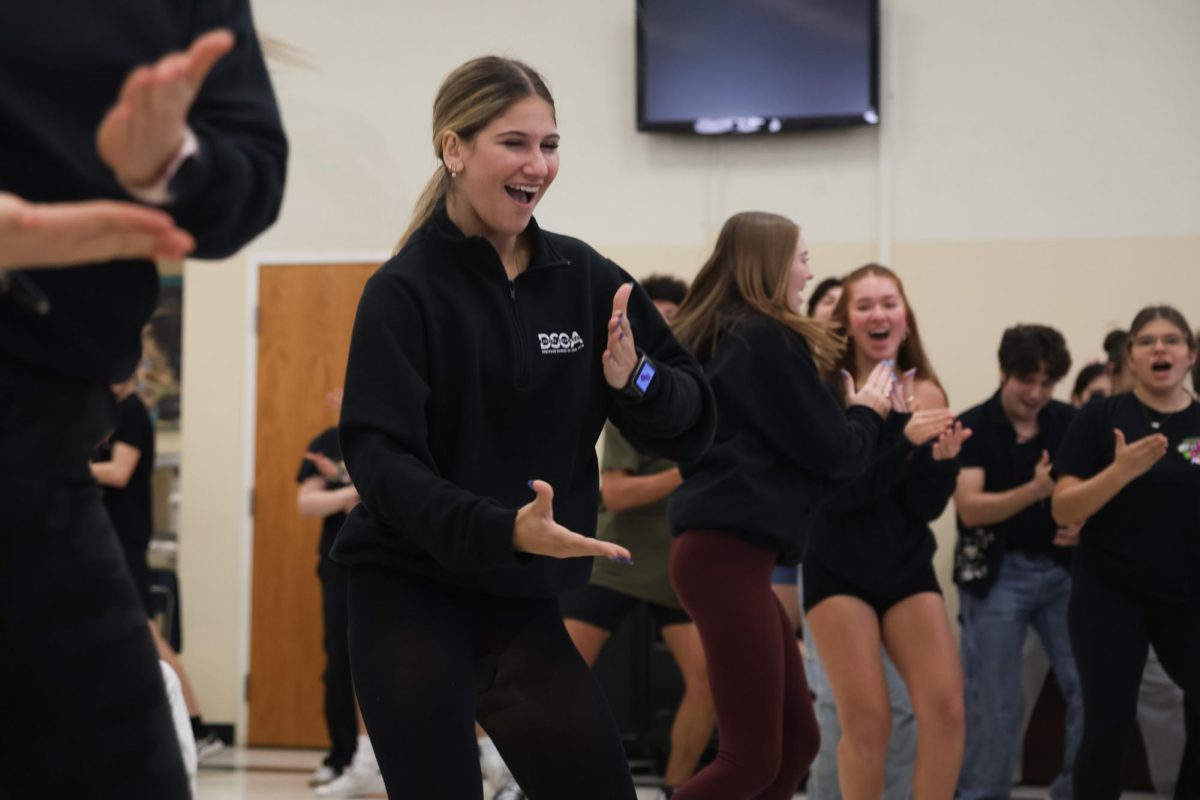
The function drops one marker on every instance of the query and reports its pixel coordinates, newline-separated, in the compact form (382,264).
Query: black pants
(1112,627)
(429,659)
(83,709)
(339,686)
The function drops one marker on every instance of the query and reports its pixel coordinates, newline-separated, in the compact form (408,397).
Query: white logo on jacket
(556,343)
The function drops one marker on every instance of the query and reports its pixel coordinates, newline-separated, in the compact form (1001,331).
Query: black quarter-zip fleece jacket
(463,386)
(783,441)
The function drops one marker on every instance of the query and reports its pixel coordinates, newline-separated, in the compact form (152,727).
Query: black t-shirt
(1148,535)
(131,508)
(327,444)
(1008,463)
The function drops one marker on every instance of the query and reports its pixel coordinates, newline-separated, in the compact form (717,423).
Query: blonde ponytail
(435,190)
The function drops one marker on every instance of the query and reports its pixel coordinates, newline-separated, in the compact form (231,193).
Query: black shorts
(606,608)
(821,584)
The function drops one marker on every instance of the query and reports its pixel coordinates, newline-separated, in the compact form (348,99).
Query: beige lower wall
(213,499)
(964,293)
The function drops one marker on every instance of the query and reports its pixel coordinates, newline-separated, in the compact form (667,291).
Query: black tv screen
(756,66)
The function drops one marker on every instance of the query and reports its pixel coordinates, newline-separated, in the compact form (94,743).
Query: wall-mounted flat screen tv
(756,66)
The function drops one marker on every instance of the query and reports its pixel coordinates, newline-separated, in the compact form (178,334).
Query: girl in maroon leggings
(782,440)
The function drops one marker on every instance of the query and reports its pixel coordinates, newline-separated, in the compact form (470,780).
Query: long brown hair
(747,274)
(470,97)
(911,354)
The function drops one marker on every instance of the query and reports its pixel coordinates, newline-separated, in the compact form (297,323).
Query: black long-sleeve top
(463,386)
(874,531)
(62,65)
(783,441)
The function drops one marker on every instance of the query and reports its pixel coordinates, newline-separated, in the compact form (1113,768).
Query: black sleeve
(973,449)
(1088,446)
(677,416)
(879,479)
(134,427)
(775,383)
(929,484)
(384,439)
(232,189)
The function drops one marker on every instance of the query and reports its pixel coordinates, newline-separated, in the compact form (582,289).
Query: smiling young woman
(1130,471)
(868,576)
(486,357)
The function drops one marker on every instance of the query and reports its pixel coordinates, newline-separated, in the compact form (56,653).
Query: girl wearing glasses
(1129,469)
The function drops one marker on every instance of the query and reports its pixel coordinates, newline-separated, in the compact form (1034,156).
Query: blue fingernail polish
(622,560)
(529,484)
(845,374)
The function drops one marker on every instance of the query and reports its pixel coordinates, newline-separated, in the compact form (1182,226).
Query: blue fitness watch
(640,378)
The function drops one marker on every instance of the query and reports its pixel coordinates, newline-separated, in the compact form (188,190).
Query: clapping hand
(876,392)
(620,356)
(147,125)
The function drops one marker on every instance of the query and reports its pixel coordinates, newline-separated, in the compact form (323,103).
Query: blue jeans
(1029,590)
(902,749)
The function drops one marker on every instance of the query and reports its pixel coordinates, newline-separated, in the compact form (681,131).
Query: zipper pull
(512,290)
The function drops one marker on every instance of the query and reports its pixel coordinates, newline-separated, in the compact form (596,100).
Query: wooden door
(306,312)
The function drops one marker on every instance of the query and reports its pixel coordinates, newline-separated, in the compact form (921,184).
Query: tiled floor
(262,774)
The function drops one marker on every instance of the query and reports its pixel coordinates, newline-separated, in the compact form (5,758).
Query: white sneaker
(354,782)
(208,745)
(322,775)
(509,792)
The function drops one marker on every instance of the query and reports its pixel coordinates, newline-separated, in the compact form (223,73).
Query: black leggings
(83,708)
(1112,627)
(429,659)
(339,688)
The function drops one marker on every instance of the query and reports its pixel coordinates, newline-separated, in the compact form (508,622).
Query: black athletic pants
(339,686)
(429,659)
(83,709)
(1112,627)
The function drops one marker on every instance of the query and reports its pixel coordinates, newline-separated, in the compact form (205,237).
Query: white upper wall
(1008,120)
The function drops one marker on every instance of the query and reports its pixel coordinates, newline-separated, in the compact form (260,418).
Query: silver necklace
(1156,424)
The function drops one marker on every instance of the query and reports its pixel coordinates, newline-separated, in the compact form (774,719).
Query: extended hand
(924,426)
(950,442)
(1136,459)
(328,468)
(63,234)
(621,356)
(144,130)
(536,532)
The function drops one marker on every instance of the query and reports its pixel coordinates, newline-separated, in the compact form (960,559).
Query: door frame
(254,264)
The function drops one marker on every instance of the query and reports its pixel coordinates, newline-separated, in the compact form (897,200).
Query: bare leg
(918,638)
(695,717)
(587,638)
(846,631)
(168,655)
